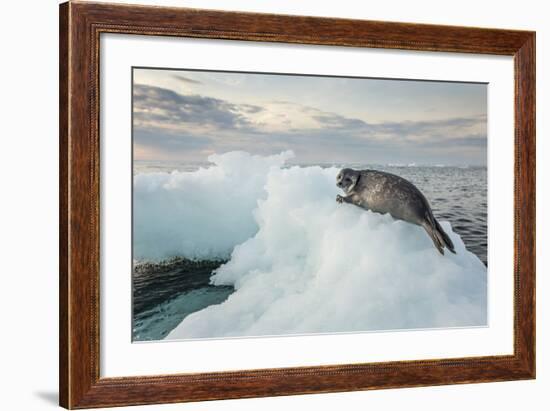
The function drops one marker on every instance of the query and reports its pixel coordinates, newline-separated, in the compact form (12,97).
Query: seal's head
(347,179)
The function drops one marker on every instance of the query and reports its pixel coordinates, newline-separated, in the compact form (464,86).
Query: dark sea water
(165,293)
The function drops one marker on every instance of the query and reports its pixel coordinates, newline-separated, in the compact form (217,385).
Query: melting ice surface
(298,261)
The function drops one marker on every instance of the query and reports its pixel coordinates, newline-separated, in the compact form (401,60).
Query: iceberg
(201,214)
(299,262)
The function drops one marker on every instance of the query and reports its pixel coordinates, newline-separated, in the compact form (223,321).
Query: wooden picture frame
(80,27)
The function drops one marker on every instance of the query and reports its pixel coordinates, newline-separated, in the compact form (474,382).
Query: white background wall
(28,204)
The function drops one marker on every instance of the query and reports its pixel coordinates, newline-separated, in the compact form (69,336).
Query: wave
(298,261)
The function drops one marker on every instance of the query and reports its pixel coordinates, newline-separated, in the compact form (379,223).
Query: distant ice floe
(299,262)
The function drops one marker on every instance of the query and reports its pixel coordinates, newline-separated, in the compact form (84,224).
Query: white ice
(201,214)
(300,262)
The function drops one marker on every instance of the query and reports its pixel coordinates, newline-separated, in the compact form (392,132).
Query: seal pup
(383,193)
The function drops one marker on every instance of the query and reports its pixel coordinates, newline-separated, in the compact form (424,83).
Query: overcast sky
(182,115)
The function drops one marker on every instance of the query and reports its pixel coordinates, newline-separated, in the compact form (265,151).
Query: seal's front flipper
(341,199)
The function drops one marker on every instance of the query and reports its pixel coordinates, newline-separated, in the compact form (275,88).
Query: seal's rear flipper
(434,237)
(444,237)
(439,237)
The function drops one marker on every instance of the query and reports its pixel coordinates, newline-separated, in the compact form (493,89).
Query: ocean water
(167,289)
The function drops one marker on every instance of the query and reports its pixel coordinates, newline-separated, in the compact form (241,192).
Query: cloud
(156,107)
(250,109)
(182,124)
(475,140)
(444,134)
(458,130)
(427,128)
(154,144)
(169,141)
(332,120)
(186,80)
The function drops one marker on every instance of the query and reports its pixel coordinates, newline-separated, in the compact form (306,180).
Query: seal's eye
(348,180)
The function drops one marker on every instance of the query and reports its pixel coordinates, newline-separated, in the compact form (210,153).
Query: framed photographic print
(258,205)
